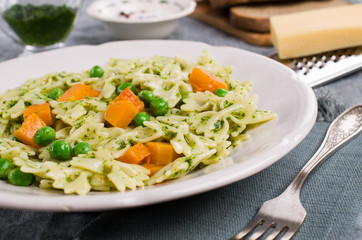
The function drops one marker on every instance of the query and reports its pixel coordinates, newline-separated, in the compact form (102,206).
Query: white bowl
(136,19)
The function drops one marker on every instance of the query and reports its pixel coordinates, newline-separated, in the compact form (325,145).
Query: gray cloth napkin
(332,196)
(329,105)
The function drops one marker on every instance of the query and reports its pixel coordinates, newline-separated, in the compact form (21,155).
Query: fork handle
(343,129)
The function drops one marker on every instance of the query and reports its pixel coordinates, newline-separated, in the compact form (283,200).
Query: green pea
(96,71)
(221,92)
(140,118)
(147,97)
(5,166)
(124,85)
(82,148)
(55,93)
(159,107)
(19,178)
(60,150)
(44,136)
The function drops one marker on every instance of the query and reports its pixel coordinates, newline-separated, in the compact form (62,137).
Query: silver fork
(285,213)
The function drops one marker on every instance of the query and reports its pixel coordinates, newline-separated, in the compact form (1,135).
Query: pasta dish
(129,124)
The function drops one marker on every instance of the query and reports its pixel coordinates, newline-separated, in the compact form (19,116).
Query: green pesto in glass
(41,25)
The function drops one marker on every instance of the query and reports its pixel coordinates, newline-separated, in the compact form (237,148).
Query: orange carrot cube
(127,94)
(42,110)
(77,92)
(135,154)
(161,153)
(28,130)
(120,113)
(201,80)
(152,167)
(147,159)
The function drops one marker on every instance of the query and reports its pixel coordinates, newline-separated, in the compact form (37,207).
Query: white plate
(278,88)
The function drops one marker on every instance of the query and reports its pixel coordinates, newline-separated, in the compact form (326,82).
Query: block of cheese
(316,31)
(255,17)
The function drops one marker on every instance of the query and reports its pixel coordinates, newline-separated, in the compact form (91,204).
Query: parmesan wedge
(317,31)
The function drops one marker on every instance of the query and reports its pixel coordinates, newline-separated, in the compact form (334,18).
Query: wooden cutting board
(256,30)
(219,18)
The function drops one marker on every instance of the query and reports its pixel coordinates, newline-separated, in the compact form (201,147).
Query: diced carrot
(120,113)
(127,94)
(135,154)
(28,130)
(201,80)
(161,153)
(147,159)
(152,167)
(42,110)
(77,92)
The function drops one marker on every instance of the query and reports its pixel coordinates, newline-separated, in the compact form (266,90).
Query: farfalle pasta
(197,126)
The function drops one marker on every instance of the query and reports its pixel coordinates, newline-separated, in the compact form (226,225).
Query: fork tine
(277,230)
(289,234)
(255,222)
(261,231)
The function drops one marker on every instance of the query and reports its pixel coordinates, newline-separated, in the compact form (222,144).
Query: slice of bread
(256,17)
(219,18)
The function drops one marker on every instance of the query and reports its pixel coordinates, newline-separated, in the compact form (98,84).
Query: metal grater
(322,68)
